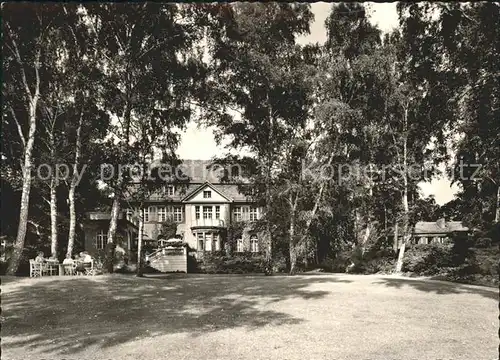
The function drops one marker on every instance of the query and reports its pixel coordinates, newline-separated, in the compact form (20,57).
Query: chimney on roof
(441,223)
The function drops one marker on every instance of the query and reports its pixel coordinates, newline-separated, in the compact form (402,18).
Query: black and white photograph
(250,180)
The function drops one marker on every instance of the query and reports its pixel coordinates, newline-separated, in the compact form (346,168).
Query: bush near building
(240,263)
(473,261)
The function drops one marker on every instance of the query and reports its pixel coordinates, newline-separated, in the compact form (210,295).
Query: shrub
(280,263)
(487,261)
(3,267)
(383,264)
(192,264)
(456,262)
(484,242)
(335,264)
(373,260)
(427,259)
(125,269)
(218,263)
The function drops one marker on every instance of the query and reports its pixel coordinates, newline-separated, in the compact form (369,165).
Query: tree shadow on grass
(9,279)
(440,287)
(67,316)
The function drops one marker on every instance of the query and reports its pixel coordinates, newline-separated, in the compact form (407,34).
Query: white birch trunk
(115,209)
(292,244)
(406,236)
(26,168)
(497,212)
(53,217)
(139,242)
(72,188)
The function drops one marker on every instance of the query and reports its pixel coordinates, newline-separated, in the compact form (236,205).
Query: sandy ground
(247,317)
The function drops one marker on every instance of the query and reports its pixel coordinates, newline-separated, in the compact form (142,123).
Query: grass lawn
(247,317)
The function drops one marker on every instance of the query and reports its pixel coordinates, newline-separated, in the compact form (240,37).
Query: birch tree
(418,107)
(469,37)
(23,63)
(248,64)
(142,47)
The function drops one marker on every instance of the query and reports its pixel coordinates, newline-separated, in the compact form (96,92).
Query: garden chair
(89,268)
(69,269)
(36,269)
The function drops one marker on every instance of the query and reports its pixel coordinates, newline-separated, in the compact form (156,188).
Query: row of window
(206,242)
(254,244)
(168,212)
(208,211)
(176,213)
(211,242)
(163,213)
(241,213)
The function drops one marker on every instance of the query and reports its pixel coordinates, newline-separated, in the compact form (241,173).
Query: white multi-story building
(203,207)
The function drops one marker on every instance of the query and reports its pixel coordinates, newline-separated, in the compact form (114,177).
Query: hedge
(219,263)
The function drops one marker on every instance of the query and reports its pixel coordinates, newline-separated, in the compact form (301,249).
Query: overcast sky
(198,143)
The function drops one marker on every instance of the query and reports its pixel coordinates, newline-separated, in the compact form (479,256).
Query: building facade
(438,232)
(202,207)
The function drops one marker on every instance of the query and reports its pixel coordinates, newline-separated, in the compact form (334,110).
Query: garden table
(52,267)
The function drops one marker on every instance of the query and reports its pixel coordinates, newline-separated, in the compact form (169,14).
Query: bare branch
(19,129)
(17,55)
(157,45)
(37,74)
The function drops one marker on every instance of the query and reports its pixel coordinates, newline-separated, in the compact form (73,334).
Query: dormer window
(169,190)
(207,194)
(235,171)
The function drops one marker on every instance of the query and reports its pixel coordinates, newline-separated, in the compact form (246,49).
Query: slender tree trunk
(268,243)
(396,238)
(53,217)
(141,209)
(139,242)
(25,197)
(113,225)
(399,264)
(292,244)
(366,236)
(115,210)
(53,196)
(268,236)
(318,199)
(309,221)
(385,224)
(497,212)
(72,220)
(27,166)
(72,188)
(368,215)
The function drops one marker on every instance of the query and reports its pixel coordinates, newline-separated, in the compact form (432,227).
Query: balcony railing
(208,222)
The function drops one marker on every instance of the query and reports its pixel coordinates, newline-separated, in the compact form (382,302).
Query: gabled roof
(199,171)
(431,227)
(231,191)
(202,186)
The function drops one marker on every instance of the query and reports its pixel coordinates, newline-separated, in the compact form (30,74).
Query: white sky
(199,143)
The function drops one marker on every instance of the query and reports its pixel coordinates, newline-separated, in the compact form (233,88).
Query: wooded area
(113,83)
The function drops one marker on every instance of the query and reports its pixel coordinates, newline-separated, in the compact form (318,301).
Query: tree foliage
(339,135)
